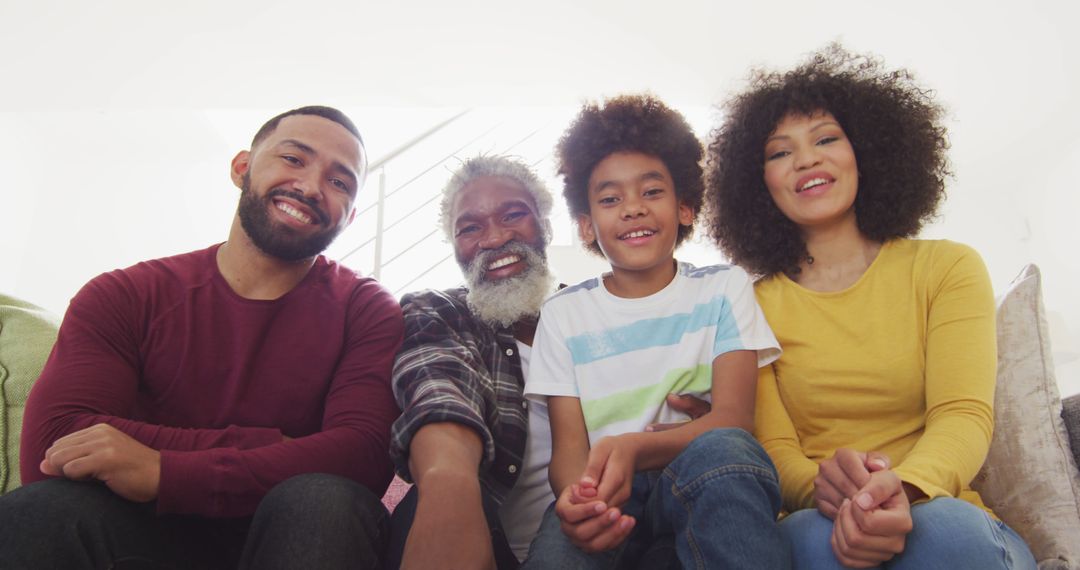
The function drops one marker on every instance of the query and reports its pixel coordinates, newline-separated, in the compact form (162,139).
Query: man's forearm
(193,439)
(444,450)
(444,459)
(230,482)
(449,528)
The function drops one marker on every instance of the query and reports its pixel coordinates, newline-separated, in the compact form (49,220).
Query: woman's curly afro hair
(894,128)
(630,123)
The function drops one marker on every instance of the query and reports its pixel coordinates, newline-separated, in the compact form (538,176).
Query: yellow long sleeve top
(902,362)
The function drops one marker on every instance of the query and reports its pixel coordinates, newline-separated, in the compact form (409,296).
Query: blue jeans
(716,502)
(947,533)
(309,521)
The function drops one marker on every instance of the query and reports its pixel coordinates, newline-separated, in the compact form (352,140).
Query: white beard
(503,303)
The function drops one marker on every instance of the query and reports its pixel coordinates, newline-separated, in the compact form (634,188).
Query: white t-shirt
(525,505)
(622,357)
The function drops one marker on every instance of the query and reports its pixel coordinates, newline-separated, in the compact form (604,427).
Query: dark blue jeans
(309,521)
(718,502)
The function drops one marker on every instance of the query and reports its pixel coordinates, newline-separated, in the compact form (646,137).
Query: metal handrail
(425,272)
(381,228)
(425,171)
(415,141)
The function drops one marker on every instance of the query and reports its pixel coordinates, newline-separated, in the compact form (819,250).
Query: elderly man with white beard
(476,450)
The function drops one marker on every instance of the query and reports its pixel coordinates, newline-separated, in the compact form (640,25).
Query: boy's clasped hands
(590,510)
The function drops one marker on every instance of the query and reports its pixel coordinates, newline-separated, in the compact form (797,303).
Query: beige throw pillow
(1030,477)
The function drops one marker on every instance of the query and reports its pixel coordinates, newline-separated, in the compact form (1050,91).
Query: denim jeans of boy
(308,521)
(717,503)
(947,534)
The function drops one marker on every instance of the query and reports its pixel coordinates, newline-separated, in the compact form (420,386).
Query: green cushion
(27,335)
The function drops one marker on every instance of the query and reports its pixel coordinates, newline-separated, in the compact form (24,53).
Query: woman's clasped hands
(869,507)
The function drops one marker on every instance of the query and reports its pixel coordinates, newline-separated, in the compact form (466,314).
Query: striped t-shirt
(621,357)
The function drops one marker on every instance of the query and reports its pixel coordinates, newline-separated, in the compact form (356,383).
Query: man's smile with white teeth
(637,234)
(812,183)
(503,262)
(294,212)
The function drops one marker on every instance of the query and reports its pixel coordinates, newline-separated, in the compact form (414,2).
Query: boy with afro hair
(608,351)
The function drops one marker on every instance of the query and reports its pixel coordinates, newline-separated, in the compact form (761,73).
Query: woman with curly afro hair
(878,414)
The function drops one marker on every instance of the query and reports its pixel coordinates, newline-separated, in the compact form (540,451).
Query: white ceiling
(135,54)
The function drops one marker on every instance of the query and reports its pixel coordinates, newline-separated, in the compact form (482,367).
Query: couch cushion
(27,334)
(1030,478)
(1070,412)
(395,493)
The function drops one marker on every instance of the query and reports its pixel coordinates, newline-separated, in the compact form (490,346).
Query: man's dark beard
(278,240)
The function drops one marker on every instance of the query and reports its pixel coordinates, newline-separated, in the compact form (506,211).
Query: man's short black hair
(317,110)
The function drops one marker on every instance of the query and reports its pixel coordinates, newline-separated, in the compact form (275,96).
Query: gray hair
(502,167)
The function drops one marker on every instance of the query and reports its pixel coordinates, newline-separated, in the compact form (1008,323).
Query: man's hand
(842,475)
(872,528)
(106,454)
(689,405)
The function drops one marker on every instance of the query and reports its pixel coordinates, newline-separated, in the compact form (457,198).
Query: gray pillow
(1030,478)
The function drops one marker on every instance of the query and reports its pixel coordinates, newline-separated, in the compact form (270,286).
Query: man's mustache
(324,218)
(518,247)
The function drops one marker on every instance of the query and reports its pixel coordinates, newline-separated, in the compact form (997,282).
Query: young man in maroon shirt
(226,406)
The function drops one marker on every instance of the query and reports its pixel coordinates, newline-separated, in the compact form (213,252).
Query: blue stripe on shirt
(661,331)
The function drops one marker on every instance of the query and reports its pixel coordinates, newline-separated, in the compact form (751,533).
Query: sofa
(1030,478)
(27,333)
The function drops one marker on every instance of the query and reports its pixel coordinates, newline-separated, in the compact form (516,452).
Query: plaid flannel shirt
(453,367)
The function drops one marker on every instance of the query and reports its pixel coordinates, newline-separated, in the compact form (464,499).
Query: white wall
(118,119)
